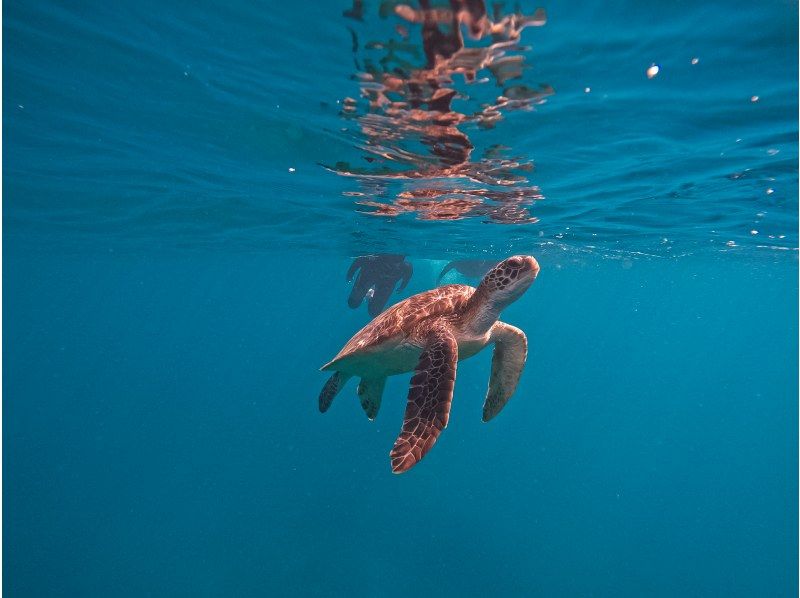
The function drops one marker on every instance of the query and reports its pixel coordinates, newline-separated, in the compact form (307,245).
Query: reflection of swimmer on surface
(376,279)
(407,124)
(468,268)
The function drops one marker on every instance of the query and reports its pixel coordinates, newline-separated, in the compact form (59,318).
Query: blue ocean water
(185,186)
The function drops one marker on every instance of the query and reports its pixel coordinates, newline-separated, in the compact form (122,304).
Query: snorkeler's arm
(408,270)
(444,271)
(354,267)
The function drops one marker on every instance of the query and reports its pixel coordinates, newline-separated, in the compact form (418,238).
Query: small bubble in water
(652,71)
(770,191)
(731,243)
(772,151)
(695,60)
(291,169)
(587,89)
(753,232)
(754,98)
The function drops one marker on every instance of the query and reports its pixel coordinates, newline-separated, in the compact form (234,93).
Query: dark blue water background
(171,288)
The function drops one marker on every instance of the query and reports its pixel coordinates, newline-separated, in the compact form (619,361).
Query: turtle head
(508,280)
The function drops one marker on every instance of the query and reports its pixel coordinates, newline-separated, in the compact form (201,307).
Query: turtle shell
(400,320)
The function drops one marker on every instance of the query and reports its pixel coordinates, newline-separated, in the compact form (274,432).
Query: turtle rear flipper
(370,393)
(332,387)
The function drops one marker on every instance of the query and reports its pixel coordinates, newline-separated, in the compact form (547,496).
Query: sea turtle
(376,280)
(429,333)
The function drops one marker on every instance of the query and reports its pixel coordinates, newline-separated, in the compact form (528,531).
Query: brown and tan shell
(404,318)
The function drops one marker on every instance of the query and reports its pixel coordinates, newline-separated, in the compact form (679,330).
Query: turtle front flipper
(370,393)
(332,387)
(510,352)
(429,398)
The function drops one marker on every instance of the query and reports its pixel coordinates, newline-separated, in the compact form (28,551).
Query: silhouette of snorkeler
(376,279)
(468,268)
